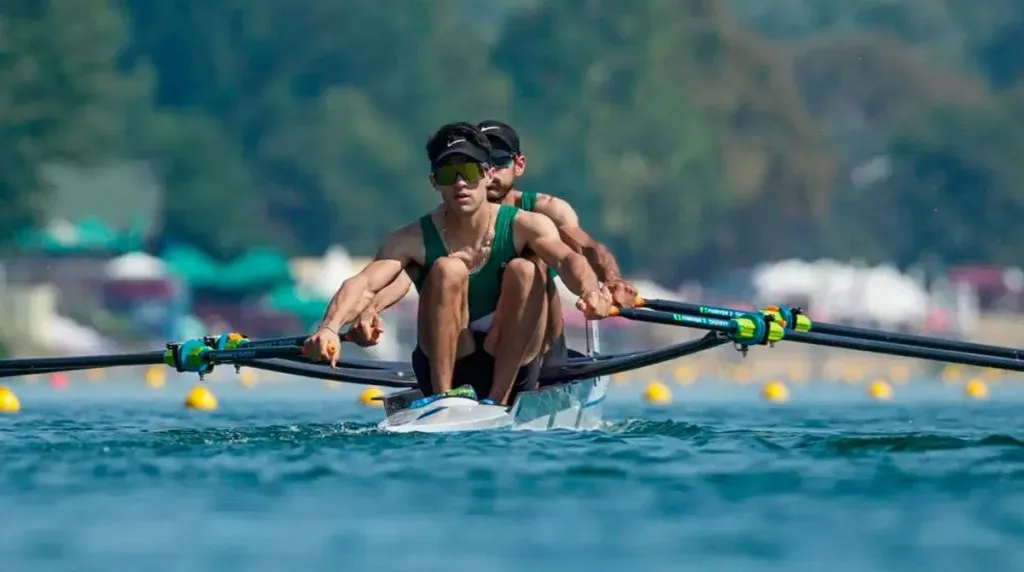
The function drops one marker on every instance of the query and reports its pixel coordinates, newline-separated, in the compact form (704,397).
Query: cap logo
(454,142)
(491,128)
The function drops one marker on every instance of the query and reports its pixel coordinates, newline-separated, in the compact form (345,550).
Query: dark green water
(304,483)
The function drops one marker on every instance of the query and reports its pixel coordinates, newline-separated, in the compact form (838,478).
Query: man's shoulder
(413,228)
(406,236)
(532,219)
(555,208)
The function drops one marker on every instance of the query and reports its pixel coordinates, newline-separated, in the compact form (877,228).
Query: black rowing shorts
(476,370)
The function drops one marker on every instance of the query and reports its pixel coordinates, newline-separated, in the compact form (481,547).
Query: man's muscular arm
(539,234)
(357,292)
(568,222)
(391,294)
(368,327)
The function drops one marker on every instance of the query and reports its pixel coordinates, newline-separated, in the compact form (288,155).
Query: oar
(25,366)
(803,323)
(342,374)
(288,347)
(744,330)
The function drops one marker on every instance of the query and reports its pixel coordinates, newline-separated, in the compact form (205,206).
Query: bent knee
(524,270)
(448,270)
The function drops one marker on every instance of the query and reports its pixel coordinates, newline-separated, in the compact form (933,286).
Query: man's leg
(517,336)
(442,322)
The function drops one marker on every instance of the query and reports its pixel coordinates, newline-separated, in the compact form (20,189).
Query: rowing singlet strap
(528,202)
(485,283)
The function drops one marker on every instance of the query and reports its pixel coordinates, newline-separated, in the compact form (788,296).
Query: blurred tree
(328,103)
(953,30)
(674,132)
(1001,59)
(879,99)
(61,97)
(957,189)
(685,140)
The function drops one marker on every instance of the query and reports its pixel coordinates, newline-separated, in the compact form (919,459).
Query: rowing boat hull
(574,405)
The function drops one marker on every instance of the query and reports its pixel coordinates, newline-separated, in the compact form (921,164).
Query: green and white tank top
(485,283)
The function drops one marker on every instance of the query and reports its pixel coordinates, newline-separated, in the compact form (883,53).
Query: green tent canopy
(297,301)
(257,269)
(192,265)
(79,237)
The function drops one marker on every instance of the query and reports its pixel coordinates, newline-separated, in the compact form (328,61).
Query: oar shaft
(849,331)
(828,340)
(905,350)
(50,364)
(341,375)
(726,326)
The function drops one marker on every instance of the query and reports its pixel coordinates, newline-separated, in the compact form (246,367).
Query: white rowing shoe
(571,405)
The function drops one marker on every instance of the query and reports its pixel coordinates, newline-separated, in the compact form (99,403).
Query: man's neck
(511,198)
(469,226)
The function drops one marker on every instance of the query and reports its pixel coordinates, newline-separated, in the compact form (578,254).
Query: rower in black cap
(478,310)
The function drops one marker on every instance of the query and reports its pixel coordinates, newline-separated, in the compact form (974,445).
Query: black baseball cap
(501,135)
(459,146)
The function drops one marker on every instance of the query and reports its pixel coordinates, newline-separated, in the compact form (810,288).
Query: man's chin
(463,207)
(495,195)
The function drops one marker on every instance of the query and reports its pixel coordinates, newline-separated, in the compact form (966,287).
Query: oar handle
(746,329)
(789,318)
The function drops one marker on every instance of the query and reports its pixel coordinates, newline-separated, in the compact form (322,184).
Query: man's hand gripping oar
(367,329)
(596,304)
(325,344)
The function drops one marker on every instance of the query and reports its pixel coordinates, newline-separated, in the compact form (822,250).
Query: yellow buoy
(742,375)
(798,375)
(155,377)
(880,390)
(247,378)
(685,374)
(368,395)
(8,401)
(657,393)
(900,373)
(976,389)
(201,398)
(991,374)
(853,374)
(952,373)
(775,391)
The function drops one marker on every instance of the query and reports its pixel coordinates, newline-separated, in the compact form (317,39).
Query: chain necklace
(482,248)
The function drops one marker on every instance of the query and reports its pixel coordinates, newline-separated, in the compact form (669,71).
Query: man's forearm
(577,274)
(347,303)
(599,257)
(602,261)
(391,293)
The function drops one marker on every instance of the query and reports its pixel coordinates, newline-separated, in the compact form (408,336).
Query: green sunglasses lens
(448,174)
(501,160)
